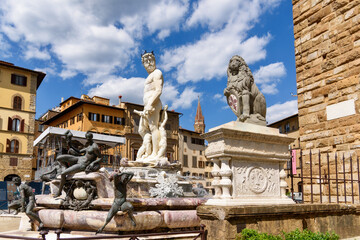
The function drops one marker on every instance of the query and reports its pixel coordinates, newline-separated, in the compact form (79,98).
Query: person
(149,119)
(89,162)
(121,179)
(27,201)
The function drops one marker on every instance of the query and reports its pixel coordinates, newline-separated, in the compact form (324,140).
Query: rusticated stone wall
(327,54)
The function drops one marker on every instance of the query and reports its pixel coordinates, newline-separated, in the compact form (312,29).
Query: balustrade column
(283,183)
(225,173)
(216,181)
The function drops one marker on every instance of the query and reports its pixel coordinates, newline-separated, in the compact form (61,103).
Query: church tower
(199,125)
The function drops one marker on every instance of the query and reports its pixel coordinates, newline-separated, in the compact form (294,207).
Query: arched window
(15,125)
(12,146)
(17,103)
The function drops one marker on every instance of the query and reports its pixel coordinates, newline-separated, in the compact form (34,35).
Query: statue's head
(16,180)
(148,60)
(89,135)
(237,64)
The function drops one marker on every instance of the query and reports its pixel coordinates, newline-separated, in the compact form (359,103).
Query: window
(12,146)
(72,120)
(194,174)
(105,159)
(94,117)
(106,119)
(13,162)
(201,176)
(200,152)
(197,141)
(15,125)
(185,138)
(119,121)
(287,127)
(280,129)
(194,162)
(201,164)
(208,184)
(79,117)
(18,80)
(206,174)
(41,128)
(17,103)
(186,164)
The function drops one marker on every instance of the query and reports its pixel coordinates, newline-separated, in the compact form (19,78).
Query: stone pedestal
(248,164)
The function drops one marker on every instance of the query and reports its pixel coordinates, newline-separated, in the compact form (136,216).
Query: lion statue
(242,94)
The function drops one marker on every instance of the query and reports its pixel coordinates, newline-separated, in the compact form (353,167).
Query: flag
(293,159)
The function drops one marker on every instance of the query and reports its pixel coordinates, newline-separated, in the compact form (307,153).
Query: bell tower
(199,125)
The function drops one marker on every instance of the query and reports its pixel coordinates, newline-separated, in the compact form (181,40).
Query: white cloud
(268,77)
(212,12)
(47,70)
(88,37)
(280,111)
(169,93)
(186,98)
(131,89)
(220,97)
(208,57)
(34,52)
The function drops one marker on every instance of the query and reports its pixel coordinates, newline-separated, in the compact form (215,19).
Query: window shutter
(16,146)
(22,124)
(122,121)
(25,81)
(97,117)
(7,145)
(13,78)
(111,118)
(10,124)
(102,118)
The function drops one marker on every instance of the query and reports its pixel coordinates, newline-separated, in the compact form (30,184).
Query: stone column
(216,174)
(283,183)
(225,173)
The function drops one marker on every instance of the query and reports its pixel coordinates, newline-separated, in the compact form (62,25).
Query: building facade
(192,153)
(17,120)
(327,45)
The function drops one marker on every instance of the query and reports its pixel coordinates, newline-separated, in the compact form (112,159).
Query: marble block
(248,164)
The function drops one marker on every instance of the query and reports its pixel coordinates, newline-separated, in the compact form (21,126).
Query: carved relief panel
(255,179)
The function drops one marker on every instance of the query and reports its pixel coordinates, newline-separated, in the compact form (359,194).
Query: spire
(199,125)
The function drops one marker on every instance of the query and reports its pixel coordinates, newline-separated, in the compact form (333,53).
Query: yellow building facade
(17,120)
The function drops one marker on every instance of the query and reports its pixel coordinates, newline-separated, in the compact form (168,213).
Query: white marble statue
(151,129)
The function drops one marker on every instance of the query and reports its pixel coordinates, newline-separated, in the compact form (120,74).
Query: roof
(190,131)
(40,75)
(80,136)
(76,105)
(284,119)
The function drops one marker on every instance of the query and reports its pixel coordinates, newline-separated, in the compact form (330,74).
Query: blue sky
(93,47)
